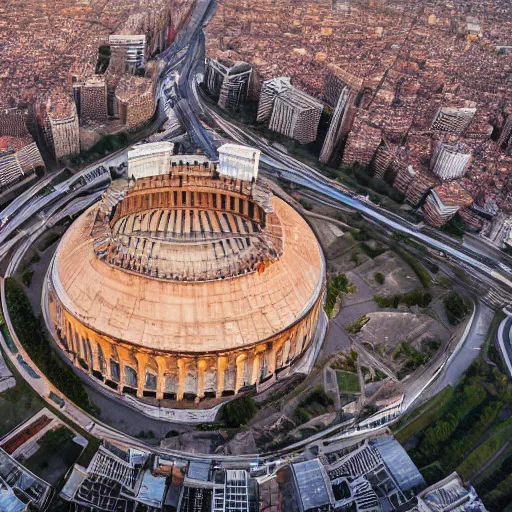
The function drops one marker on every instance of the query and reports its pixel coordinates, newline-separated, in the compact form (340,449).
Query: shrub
(380,277)
(305,204)
(455,307)
(335,286)
(239,412)
(371,252)
(356,326)
(360,235)
(26,276)
(413,298)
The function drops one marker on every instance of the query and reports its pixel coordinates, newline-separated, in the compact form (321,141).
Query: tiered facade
(193,285)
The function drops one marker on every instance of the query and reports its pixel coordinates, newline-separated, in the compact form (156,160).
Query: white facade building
(131,48)
(269,91)
(453,120)
(240,162)
(450,161)
(150,159)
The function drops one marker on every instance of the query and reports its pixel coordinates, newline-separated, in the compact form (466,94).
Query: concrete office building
(269,91)
(228,82)
(135,100)
(193,285)
(444,202)
(362,143)
(239,162)
(91,99)
(296,115)
(150,159)
(453,120)
(19,158)
(450,161)
(58,119)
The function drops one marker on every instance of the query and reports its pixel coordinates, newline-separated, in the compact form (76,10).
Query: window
(130,376)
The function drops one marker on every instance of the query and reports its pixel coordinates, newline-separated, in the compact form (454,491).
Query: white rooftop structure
(150,159)
(239,162)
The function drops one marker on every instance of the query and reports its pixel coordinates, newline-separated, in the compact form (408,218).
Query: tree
(238,412)
(380,277)
(455,307)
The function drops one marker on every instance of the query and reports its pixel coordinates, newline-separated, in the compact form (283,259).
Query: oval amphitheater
(194,281)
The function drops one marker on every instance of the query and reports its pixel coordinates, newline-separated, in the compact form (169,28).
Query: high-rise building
(228,83)
(91,99)
(362,143)
(18,158)
(453,120)
(240,162)
(296,115)
(505,140)
(444,202)
(127,52)
(419,188)
(404,178)
(58,119)
(135,100)
(450,161)
(499,231)
(150,159)
(341,92)
(269,91)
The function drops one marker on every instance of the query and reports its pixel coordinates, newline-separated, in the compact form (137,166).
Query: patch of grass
(467,400)
(454,227)
(413,358)
(347,382)
(470,435)
(421,418)
(413,298)
(360,235)
(420,271)
(335,286)
(358,324)
(432,473)
(305,204)
(379,277)
(371,252)
(26,276)
(500,435)
(346,362)
(313,405)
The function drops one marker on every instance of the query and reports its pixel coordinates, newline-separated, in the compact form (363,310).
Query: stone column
(201,368)
(240,371)
(160,377)
(142,359)
(256,365)
(181,379)
(271,360)
(107,355)
(222,363)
